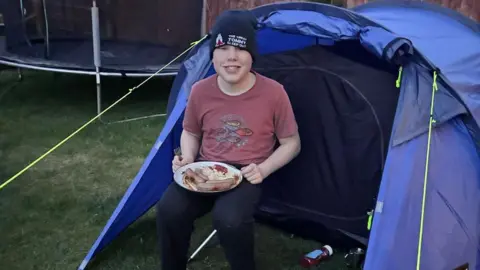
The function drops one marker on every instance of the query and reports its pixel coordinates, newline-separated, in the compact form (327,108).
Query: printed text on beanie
(233,40)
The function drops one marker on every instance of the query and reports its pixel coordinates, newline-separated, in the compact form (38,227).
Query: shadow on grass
(139,242)
(136,242)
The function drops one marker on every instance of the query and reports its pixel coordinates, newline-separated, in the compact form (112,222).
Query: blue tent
(388,105)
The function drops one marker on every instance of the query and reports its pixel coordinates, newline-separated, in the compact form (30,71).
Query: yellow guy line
(427,161)
(193,44)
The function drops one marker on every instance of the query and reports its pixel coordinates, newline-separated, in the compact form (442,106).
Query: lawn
(51,214)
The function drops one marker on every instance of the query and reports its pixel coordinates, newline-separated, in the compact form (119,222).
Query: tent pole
(202,245)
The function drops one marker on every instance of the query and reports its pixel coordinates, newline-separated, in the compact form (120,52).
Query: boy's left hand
(253,173)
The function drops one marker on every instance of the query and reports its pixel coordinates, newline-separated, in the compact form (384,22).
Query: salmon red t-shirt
(239,129)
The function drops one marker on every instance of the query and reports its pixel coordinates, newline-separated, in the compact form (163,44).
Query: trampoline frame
(97,60)
(85,72)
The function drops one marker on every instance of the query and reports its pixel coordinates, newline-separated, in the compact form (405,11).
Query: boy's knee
(167,211)
(230,220)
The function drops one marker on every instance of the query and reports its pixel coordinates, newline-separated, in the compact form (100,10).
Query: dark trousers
(232,213)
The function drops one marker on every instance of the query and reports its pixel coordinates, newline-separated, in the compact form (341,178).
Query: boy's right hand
(179,161)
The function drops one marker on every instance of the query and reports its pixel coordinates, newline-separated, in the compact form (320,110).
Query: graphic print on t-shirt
(233,130)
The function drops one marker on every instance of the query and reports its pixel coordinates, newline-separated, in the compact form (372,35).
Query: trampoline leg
(96,55)
(20,74)
(99,99)
(99,95)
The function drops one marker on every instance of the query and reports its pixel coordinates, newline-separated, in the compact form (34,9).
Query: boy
(235,116)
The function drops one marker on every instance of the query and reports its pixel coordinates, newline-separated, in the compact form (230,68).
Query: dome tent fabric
(364,140)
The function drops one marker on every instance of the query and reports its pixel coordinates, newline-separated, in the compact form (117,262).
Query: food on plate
(213,185)
(210,178)
(195,176)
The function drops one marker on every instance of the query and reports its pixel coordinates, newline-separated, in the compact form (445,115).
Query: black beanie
(236,28)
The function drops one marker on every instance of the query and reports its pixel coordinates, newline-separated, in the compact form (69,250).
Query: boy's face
(231,63)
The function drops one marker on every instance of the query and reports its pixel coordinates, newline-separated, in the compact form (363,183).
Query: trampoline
(102,37)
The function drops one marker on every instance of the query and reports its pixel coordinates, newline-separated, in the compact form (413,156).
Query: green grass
(51,214)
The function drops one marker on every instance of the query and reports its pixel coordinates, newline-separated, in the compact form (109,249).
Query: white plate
(178,176)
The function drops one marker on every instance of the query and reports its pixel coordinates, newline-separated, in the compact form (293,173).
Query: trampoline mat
(78,55)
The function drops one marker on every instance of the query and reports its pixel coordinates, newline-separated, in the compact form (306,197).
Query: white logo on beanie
(219,41)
